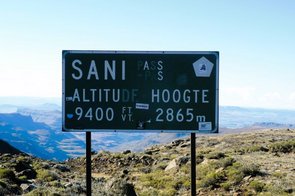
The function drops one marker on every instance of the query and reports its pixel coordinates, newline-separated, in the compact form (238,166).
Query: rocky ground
(256,163)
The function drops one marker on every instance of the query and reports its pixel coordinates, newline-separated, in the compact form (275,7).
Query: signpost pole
(193,164)
(88,163)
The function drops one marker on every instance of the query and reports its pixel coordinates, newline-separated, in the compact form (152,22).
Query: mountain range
(36,130)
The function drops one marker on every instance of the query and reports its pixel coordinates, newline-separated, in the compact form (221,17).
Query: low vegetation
(258,163)
(7,174)
(283,146)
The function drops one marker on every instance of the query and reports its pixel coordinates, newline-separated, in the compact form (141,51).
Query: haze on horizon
(256,41)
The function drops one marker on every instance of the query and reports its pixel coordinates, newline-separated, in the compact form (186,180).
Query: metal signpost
(136,91)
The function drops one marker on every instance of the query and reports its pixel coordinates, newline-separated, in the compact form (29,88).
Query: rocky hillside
(260,162)
(7,148)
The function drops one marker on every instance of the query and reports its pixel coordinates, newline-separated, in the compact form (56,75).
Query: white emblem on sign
(205,126)
(142,106)
(203,67)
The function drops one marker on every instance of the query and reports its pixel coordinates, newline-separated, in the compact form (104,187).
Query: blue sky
(255,38)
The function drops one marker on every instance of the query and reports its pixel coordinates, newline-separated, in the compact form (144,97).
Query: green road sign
(140,91)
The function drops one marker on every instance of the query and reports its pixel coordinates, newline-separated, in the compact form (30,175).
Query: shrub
(255,148)
(204,169)
(46,175)
(212,180)
(238,171)
(7,174)
(228,161)
(22,164)
(158,179)
(23,178)
(215,155)
(275,189)
(234,174)
(199,158)
(39,191)
(183,181)
(278,175)
(169,191)
(257,186)
(149,192)
(2,184)
(226,186)
(186,183)
(283,147)
(185,169)
(250,169)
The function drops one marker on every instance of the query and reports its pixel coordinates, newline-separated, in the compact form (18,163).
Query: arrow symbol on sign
(69,98)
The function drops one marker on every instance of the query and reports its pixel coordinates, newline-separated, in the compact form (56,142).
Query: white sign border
(216,53)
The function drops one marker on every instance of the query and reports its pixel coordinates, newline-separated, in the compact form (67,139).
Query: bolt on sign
(140,91)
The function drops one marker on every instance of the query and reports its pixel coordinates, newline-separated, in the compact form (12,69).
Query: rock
(62,168)
(146,160)
(29,173)
(28,187)
(177,142)
(205,161)
(219,170)
(77,187)
(165,159)
(171,165)
(5,156)
(126,152)
(146,170)
(237,193)
(22,165)
(148,152)
(45,165)
(125,171)
(151,151)
(69,184)
(182,160)
(185,145)
(289,190)
(119,186)
(161,167)
(168,147)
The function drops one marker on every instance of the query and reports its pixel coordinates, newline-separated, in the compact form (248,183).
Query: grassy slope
(260,162)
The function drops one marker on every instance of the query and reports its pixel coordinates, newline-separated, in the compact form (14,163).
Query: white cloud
(237,95)
(270,98)
(247,96)
(292,97)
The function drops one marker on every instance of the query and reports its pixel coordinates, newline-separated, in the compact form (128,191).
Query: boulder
(62,168)
(177,142)
(21,166)
(185,145)
(146,160)
(148,152)
(126,152)
(28,187)
(119,186)
(45,165)
(182,160)
(69,184)
(171,165)
(29,173)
